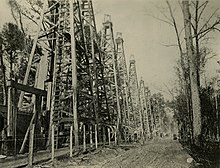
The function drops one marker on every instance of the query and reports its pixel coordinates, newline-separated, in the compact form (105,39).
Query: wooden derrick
(110,72)
(137,123)
(125,103)
(145,109)
(69,74)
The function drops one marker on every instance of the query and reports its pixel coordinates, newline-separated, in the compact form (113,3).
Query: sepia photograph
(109,84)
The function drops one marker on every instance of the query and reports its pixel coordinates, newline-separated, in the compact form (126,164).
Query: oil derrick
(122,78)
(149,110)
(134,91)
(73,74)
(94,65)
(145,109)
(54,70)
(110,64)
(125,103)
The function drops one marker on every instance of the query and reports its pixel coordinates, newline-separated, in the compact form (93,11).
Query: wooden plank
(71,141)
(90,136)
(27,88)
(3,110)
(52,143)
(9,113)
(84,137)
(109,137)
(31,146)
(96,136)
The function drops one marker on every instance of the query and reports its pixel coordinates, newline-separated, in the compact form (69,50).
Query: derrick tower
(110,71)
(69,68)
(125,103)
(134,91)
(149,110)
(144,108)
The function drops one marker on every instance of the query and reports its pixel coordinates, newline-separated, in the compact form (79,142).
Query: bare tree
(196,107)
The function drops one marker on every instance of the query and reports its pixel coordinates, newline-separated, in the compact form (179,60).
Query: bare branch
(208,20)
(170,23)
(170,45)
(176,30)
(208,58)
(206,31)
(28,17)
(170,91)
(203,6)
(216,29)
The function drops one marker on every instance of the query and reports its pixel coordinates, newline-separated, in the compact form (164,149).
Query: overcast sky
(144,36)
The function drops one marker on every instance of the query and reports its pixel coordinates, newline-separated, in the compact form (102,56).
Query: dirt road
(154,154)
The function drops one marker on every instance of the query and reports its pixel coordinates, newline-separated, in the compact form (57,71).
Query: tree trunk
(4,78)
(196,107)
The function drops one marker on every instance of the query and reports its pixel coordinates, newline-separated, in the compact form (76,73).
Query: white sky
(143,36)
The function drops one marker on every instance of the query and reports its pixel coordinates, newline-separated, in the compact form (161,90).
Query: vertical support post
(90,136)
(31,145)
(52,142)
(125,134)
(48,106)
(109,137)
(74,76)
(104,136)
(216,107)
(56,136)
(84,137)
(71,141)
(96,136)
(9,112)
(15,120)
(115,136)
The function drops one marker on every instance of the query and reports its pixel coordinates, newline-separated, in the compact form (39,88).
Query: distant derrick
(133,87)
(122,74)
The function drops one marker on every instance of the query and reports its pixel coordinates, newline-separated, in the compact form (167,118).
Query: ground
(153,154)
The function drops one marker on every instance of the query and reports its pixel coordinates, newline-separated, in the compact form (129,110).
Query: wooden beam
(27,88)
(52,143)
(90,136)
(9,113)
(74,76)
(109,137)
(71,141)
(31,146)
(84,137)
(96,136)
